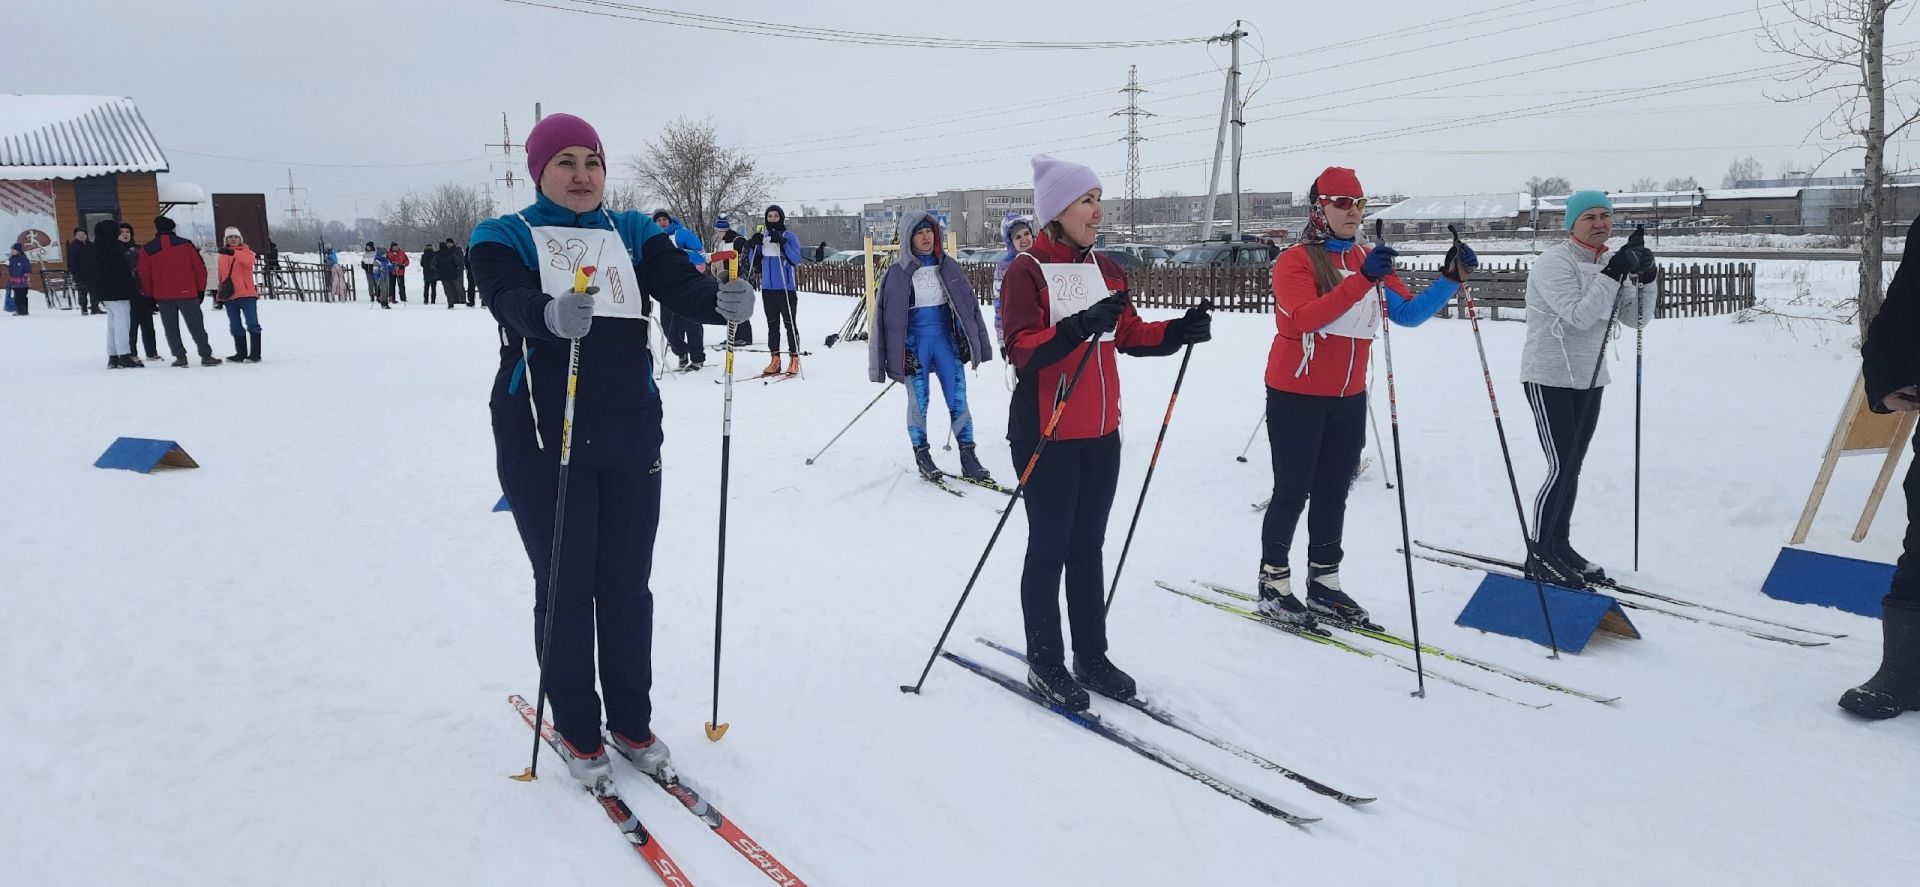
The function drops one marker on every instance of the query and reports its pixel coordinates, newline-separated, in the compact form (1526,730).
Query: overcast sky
(363,100)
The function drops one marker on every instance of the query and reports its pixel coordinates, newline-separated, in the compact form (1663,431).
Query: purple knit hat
(555,133)
(1056,185)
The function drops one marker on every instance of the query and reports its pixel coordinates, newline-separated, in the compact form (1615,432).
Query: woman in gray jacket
(1576,291)
(927,322)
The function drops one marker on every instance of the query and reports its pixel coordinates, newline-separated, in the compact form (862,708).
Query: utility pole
(1133,140)
(293,207)
(506,146)
(1229,113)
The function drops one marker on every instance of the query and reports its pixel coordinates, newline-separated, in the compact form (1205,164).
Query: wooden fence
(1687,289)
(304,282)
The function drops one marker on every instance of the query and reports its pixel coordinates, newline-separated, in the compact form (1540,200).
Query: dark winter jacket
(80,261)
(430,264)
(887,347)
(171,267)
(1890,356)
(453,263)
(114,279)
(19,271)
(617,398)
(1045,354)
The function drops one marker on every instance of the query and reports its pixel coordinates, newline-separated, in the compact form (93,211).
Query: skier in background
(927,323)
(779,253)
(1327,292)
(602,604)
(1890,362)
(1070,491)
(1576,291)
(685,338)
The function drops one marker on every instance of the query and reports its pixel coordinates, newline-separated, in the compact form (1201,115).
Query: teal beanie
(1581,201)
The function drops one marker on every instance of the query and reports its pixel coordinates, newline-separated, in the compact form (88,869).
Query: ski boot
(685,364)
(1325,598)
(1587,569)
(650,757)
(1548,568)
(773,366)
(970,466)
(1054,684)
(1895,688)
(923,460)
(587,769)
(1277,601)
(793,365)
(1098,674)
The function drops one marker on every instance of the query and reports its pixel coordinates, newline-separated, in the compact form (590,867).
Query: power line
(730,25)
(282,162)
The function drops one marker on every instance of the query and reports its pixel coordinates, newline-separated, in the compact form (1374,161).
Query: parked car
(1218,253)
(854,257)
(1145,253)
(983,257)
(1126,260)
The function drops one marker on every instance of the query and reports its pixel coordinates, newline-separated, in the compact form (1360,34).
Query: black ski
(1168,718)
(1128,741)
(983,484)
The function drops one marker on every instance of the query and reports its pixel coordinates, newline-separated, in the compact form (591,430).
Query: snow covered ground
(290,666)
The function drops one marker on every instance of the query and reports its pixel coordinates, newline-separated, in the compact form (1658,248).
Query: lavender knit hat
(1056,185)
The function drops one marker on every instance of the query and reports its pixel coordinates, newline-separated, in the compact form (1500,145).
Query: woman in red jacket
(1071,489)
(1327,291)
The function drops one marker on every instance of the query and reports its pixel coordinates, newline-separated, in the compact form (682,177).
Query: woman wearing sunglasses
(1328,290)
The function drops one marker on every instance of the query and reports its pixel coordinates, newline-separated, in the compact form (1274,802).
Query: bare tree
(697,177)
(1842,45)
(1746,169)
(1683,183)
(448,211)
(627,197)
(1644,183)
(1553,186)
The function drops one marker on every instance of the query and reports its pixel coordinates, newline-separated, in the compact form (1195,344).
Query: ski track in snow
(290,666)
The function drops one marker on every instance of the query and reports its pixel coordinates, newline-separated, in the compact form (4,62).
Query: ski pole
(1506,455)
(1152,461)
(1639,373)
(580,277)
(856,418)
(1374,423)
(1256,433)
(948,446)
(1053,422)
(1393,418)
(715,728)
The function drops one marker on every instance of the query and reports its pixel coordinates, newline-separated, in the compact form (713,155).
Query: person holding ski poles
(928,323)
(1069,491)
(779,251)
(685,338)
(1576,291)
(613,495)
(1327,292)
(1890,364)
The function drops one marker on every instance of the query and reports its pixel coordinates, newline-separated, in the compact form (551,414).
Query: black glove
(1646,267)
(1460,262)
(1192,328)
(1624,262)
(1101,318)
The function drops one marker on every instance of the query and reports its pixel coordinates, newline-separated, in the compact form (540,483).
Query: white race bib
(563,251)
(1362,321)
(1073,287)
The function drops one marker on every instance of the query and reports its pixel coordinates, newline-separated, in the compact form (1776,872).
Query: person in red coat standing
(1070,490)
(174,274)
(1327,293)
(400,261)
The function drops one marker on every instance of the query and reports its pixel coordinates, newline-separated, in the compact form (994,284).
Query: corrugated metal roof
(72,136)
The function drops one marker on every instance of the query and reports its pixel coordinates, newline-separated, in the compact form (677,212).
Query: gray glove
(570,315)
(735,301)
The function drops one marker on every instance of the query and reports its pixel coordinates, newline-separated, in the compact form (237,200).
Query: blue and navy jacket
(687,241)
(617,403)
(779,256)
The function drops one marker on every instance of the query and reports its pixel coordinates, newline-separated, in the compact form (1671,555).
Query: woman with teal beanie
(525,264)
(1576,290)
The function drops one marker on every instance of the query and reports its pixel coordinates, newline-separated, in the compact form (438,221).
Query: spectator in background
(19,278)
(400,261)
(453,271)
(366,266)
(236,265)
(144,307)
(336,280)
(80,271)
(430,271)
(820,252)
(115,285)
(173,272)
(383,279)
(684,337)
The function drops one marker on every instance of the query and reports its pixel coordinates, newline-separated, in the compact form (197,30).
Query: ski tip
(714,733)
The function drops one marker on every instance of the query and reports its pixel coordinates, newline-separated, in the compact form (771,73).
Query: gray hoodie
(887,343)
(1569,308)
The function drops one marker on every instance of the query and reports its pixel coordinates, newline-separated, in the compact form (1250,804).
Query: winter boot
(685,363)
(970,466)
(1895,688)
(1276,597)
(180,361)
(773,366)
(588,769)
(1325,598)
(113,363)
(208,360)
(650,757)
(1587,569)
(923,460)
(1099,674)
(129,360)
(793,365)
(1055,685)
(253,347)
(1548,568)
(239,349)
